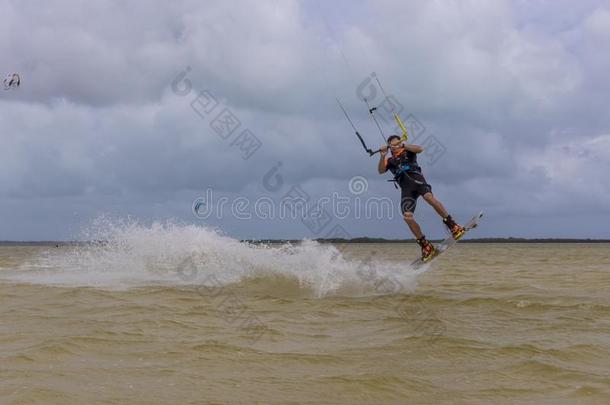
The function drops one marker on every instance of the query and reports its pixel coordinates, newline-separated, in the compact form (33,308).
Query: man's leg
(427,249)
(407,206)
(408,203)
(436,204)
(456,230)
(413,225)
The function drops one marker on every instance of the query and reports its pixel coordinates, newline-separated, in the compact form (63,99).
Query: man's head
(395,144)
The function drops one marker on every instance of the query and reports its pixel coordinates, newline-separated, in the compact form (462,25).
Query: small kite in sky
(11,81)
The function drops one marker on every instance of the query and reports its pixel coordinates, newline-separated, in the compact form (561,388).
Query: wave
(131,254)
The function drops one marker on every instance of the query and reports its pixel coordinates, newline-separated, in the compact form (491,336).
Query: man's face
(396,146)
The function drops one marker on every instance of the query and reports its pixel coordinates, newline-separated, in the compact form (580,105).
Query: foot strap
(449,221)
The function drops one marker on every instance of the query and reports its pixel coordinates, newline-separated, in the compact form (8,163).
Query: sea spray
(123,253)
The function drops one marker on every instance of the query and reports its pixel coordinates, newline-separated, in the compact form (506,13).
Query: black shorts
(412,185)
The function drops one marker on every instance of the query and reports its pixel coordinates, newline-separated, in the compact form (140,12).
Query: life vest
(401,165)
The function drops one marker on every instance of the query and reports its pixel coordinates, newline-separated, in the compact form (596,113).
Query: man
(408,175)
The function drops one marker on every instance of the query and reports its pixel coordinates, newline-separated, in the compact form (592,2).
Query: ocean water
(169,314)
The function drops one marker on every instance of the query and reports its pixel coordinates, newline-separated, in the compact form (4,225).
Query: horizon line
(363,239)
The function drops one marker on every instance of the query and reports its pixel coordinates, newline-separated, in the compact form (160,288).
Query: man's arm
(381,167)
(414,148)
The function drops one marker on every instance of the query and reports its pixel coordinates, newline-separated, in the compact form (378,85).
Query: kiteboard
(447,243)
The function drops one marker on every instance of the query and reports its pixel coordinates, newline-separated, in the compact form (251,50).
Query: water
(178,314)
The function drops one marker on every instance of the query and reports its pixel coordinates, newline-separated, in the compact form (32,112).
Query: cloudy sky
(140,109)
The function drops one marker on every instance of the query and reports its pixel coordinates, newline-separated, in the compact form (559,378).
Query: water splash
(126,254)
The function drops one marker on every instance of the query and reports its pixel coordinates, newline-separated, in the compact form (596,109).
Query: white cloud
(598,23)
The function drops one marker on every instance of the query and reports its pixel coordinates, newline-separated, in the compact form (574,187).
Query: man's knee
(408,216)
(429,197)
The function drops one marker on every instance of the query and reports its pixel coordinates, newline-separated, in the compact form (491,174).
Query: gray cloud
(515,91)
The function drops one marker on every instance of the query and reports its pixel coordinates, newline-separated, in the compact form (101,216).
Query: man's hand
(383,150)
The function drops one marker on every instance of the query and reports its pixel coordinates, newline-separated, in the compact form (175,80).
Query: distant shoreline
(323,240)
(475,240)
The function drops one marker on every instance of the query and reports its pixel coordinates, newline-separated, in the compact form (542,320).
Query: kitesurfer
(408,175)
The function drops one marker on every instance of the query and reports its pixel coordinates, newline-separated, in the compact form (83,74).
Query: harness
(404,166)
